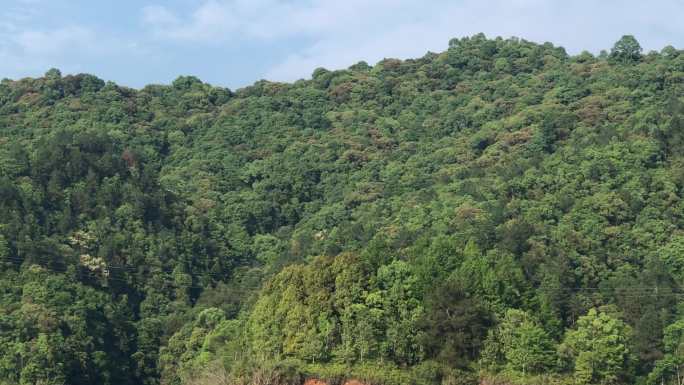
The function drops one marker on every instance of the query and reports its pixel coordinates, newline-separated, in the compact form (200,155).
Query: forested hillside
(499,212)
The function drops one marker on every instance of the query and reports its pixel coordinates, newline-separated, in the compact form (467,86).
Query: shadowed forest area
(501,212)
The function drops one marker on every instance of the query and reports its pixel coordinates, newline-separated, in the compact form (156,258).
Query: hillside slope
(499,210)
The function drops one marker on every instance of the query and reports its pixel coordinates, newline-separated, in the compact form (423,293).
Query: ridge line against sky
(236,42)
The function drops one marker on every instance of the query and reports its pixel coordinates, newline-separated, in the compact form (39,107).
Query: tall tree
(598,349)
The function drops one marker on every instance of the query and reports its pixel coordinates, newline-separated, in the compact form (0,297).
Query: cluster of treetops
(500,212)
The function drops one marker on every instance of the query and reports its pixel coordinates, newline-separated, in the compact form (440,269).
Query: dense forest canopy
(500,211)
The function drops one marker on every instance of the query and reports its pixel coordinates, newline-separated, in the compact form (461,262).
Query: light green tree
(598,348)
(526,346)
(518,344)
(670,368)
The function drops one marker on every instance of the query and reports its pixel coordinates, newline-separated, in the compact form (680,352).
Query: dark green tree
(626,50)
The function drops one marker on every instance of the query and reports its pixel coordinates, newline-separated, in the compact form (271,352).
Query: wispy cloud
(340,33)
(211,22)
(160,17)
(570,24)
(287,39)
(31,42)
(216,21)
(55,41)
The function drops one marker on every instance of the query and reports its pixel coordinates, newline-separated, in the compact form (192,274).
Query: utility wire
(113,278)
(634,291)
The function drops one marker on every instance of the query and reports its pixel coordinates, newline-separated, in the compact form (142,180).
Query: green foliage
(669,368)
(454,325)
(415,221)
(520,344)
(598,348)
(626,50)
(335,310)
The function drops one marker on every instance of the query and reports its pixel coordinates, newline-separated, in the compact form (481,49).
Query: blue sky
(236,42)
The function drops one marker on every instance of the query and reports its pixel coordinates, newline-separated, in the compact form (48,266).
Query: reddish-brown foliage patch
(354,382)
(314,381)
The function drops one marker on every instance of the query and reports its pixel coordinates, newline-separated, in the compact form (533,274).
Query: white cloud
(340,33)
(210,21)
(31,43)
(160,16)
(405,29)
(51,42)
(400,29)
(314,33)
(26,48)
(216,21)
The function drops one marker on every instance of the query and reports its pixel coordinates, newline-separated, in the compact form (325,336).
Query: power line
(112,267)
(634,291)
(622,292)
(92,274)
